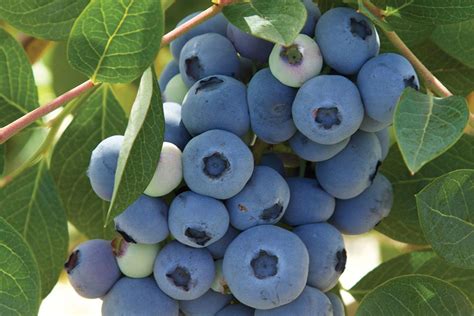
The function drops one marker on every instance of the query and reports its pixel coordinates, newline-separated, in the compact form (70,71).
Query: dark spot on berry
(372,176)
(180,277)
(215,165)
(242,208)
(271,213)
(72,261)
(327,117)
(411,82)
(264,265)
(199,237)
(193,67)
(125,236)
(360,28)
(341,258)
(208,84)
(291,54)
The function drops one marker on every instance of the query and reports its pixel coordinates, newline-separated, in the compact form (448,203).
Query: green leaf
(325,5)
(402,224)
(18,93)
(51,19)
(446,212)
(141,147)
(20,287)
(418,262)
(432,12)
(32,206)
(165,4)
(99,117)
(115,41)
(2,159)
(457,77)
(278,21)
(456,40)
(426,126)
(415,295)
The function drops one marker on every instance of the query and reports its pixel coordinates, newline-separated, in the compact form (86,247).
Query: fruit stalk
(16,126)
(430,80)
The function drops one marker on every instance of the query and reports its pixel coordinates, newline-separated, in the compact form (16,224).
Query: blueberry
(197,220)
(183,272)
(311,302)
(206,55)
(220,284)
(171,69)
(362,213)
(218,248)
(266,267)
(384,139)
(381,82)
(175,90)
(145,221)
(328,109)
(92,269)
(263,200)
(175,132)
(236,310)
(309,203)
(270,104)
(306,149)
(138,297)
(293,65)
(207,304)
(216,102)
(351,171)
(273,161)
(347,39)
(249,46)
(216,24)
(327,256)
(135,260)
(371,125)
(337,305)
(313,13)
(103,165)
(217,163)
(168,173)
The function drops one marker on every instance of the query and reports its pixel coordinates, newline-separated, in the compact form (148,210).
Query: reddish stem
(188,25)
(17,125)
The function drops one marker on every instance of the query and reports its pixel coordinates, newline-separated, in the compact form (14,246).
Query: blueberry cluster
(235,238)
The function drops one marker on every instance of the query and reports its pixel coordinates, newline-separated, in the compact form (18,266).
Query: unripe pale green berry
(293,65)
(135,260)
(168,174)
(219,284)
(175,90)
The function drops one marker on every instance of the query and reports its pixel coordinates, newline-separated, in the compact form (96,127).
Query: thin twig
(430,80)
(13,128)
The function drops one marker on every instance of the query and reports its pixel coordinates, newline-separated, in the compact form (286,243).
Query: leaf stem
(13,128)
(430,80)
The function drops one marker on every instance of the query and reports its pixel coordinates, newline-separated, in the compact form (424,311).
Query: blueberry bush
(213,154)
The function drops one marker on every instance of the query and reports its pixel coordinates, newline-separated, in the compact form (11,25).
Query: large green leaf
(415,295)
(426,126)
(18,93)
(456,40)
(115,41)
(278,21)
(402,224)
(446,212)
(48,19)
(32,206)
(458,77)
(141,147)
(21,148)
(418,262)
(99,117)
(432,12)
(20,289)
(2,158)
